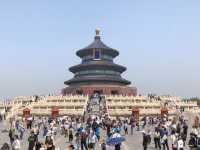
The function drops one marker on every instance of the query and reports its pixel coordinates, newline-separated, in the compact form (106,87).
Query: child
(126,127)
(70,135)
(103,145)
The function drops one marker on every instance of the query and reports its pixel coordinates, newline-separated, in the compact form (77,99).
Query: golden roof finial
(97,30)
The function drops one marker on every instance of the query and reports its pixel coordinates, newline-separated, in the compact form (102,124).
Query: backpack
(156,135)
(192,142)
(164,137)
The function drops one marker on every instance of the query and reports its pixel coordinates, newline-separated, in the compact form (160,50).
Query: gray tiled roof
(98,79)
(97,65)
(97,43)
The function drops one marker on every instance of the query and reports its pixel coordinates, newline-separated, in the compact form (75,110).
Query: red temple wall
(106,90)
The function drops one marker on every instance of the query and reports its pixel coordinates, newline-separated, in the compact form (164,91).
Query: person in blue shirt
(97,132)
(164,138)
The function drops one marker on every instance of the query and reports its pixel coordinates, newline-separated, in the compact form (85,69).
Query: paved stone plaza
(133,142)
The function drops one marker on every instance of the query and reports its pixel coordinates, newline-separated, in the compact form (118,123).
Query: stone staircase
(96,106)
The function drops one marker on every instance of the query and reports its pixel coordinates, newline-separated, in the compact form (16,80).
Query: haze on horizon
(158,42)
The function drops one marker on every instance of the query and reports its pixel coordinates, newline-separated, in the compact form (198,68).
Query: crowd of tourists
(43,132)
(79,134)
(82,133)
(175,130)
(85,134)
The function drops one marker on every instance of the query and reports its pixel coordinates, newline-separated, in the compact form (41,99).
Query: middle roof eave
(97,65)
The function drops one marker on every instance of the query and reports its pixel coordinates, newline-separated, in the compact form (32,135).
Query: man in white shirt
(16,143)
(92,140)
(180,144)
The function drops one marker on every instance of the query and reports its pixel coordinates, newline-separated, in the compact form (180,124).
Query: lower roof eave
(95,81)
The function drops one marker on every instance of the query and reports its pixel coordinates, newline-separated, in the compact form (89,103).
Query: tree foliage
(197,99)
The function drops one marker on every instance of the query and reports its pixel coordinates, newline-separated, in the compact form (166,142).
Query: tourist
(84,140)
(66,127)
(16,143)
(103,145)
(164,138)
(39,122)
(45,131)
(149,136)
(21,130)
(145,140)
(185,131)
(70,134)
(49,143)
(17,124)
(132,122)
(183,137)
(97,133)
(178,128)
(1,118)
(29,122)
(138,125)
(70,147)
(38,145)
(108,130)
(174,140)
(143,122)
(92,140)
(95,124)
(126,127)
(157,138)
(77,140)
(11,135)
(31,141)
(36,132)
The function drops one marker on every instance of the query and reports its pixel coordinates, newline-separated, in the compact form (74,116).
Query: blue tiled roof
(95,79)
(97,43)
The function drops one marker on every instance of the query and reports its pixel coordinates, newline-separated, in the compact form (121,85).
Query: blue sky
(158,42)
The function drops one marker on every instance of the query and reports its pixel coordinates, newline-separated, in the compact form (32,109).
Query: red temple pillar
(136,113)
(54,112)
(26,113)
(164,112)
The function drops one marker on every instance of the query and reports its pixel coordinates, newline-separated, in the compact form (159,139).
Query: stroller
(193,142)
(5,147)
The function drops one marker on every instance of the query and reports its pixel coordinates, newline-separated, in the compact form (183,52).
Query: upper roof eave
(97,44)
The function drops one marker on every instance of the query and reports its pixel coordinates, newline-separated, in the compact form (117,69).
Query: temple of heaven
(97,72)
